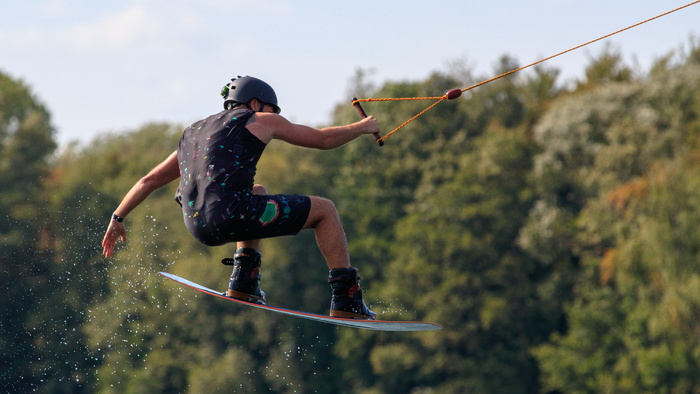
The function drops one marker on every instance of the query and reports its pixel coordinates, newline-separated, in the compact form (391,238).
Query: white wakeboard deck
(380,325)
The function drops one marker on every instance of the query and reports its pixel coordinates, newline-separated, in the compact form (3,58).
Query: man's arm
(159,176)
(268,126)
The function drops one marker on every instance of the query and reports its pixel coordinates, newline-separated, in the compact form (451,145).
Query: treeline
(550,227)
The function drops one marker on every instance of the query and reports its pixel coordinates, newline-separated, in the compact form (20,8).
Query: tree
(33,350)
(631,162)
(608,67)
(551,233)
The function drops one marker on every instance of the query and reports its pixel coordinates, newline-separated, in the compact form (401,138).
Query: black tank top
(218,158)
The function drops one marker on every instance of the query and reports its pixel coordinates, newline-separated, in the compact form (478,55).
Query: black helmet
(243,89)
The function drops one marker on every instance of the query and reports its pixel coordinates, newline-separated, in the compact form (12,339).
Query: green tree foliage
(626,157)
(550,231)
(608,67)
(29,308)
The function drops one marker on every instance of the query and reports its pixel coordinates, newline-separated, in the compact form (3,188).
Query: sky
(113,66)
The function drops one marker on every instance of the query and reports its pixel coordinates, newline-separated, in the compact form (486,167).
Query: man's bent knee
(321,208)
(323,205)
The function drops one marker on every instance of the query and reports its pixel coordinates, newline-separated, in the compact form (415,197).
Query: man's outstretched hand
(115,231)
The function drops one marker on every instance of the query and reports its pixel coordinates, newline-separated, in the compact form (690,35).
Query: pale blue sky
(111,66)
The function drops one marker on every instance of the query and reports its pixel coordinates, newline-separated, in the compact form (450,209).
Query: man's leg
(330,236)
(245,279)
(254,244)
(346,301)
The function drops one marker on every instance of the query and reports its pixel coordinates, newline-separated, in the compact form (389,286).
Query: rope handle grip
(363,114)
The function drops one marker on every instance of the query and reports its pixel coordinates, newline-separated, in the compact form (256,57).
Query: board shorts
(263,216)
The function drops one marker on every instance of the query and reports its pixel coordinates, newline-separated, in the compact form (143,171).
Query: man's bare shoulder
(267,126)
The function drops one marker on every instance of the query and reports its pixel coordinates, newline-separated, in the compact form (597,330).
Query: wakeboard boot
(346,301)
(245,279)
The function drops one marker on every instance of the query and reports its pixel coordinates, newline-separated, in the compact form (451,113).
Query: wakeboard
(380,325)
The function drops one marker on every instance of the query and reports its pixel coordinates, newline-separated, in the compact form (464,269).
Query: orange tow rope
(454,93)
